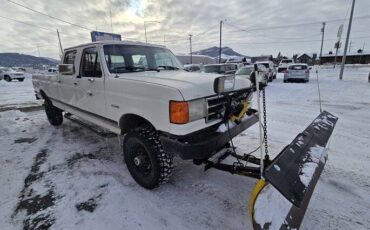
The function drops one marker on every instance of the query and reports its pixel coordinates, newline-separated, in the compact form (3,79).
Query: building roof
(310,56)
(348,54)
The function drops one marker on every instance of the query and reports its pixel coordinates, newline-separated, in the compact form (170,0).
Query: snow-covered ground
(71,178)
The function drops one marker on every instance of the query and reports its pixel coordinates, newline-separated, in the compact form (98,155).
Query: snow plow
(286,183)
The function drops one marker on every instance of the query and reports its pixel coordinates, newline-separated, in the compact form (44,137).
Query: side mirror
(224,84)
(66,69)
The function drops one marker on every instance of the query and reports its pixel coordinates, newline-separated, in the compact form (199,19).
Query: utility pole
(322,39)
(191,50)
(146,39)
(347,39)
(219,58)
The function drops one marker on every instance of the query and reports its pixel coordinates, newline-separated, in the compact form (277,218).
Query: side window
(90,63)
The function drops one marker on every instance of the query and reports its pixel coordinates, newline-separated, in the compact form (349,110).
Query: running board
(90,126)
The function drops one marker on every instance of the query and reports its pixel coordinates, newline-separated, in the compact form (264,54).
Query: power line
(25,23)
(50,16)
(290,25)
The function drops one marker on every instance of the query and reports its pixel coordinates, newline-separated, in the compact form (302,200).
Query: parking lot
(71,178)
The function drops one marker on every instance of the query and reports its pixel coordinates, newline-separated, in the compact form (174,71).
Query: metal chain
(264,122)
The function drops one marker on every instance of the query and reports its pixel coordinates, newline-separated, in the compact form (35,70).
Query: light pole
(191,51)
(322,40)
(220,52)
(145,22)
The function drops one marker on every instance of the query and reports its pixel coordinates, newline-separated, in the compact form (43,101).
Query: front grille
(215,108)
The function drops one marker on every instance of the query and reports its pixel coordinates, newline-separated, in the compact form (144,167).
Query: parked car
(249,72)
(52,70)
(192,67)
(297,72)
(284,64)
(224,68)
(161,110)
(270,68)
(9,74)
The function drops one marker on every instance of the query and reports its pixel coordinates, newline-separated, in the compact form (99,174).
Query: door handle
(91,80)
(89,93)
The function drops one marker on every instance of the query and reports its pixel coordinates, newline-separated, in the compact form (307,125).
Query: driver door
(90,89)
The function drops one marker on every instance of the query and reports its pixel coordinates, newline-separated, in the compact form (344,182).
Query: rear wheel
(145,158)
(54,114)
(20,79)
(7,78)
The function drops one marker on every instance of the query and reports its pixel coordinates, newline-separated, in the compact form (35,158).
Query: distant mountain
(214,52)
(16,59)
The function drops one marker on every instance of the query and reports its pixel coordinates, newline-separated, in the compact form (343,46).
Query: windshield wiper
(152,69)
(130,68)
(168,67)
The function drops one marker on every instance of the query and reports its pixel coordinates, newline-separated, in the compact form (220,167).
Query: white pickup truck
(140,91)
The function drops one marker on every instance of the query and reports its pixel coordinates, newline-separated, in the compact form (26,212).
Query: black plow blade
(280,201)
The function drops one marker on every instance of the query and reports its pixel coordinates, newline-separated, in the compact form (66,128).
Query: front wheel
(145,158)
(54,114)
(7,78)
(20,79)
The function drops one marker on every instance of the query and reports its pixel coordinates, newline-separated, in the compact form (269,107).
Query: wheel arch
(131,121)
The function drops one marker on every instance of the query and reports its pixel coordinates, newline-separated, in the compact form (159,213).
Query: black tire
(7,78)
(145,158)
(20,79)
(54,114)
(285,81)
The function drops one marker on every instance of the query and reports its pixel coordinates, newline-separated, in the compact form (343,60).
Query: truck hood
(191,85)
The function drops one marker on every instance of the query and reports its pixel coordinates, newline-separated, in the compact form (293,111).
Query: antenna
(60,45)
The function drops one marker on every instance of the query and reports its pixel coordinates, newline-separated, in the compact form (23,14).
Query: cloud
(180,18)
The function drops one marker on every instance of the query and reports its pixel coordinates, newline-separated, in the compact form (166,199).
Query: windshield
(135,58)
(265,64)
(244,71)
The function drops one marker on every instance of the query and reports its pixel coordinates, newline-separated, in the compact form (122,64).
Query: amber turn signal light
(179,112)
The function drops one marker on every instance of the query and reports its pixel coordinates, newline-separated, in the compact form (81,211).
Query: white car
(141,90)
(9,74)
(192,67)
(270,68)
(250,73)
(296,72)
(284,64)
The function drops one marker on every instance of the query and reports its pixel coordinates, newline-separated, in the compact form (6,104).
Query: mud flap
(280,201)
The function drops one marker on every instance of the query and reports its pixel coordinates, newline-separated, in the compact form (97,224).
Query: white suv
(283,66)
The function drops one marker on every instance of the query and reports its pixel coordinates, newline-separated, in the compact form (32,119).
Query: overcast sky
(268,24)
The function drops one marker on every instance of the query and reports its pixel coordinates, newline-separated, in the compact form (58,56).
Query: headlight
(224,84)
(197,109)
(182,112)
